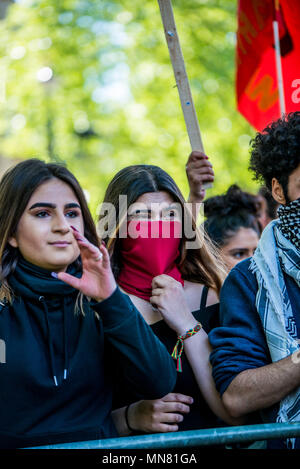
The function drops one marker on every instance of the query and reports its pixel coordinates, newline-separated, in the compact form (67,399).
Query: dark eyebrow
(42,204)
(232,251)
(72,205)
(47,204)
(172,205)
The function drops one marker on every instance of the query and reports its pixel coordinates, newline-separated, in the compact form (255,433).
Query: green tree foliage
(91,83)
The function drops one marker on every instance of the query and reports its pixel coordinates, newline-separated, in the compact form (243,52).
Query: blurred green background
(90,83)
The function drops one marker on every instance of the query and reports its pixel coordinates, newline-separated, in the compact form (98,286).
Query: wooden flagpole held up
(181,78)
(278,59)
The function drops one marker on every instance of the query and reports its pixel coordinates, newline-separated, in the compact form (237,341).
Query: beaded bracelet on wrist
(178,349)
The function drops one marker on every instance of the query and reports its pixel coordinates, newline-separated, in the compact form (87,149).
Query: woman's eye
(170,214)
(42,214)
(239,254)
(72,214)
(139,215)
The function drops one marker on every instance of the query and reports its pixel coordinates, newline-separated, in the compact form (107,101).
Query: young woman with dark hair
(59,304)
(232,224)
(171,273)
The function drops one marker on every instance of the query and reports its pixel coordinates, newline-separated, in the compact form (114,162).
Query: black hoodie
(56,381)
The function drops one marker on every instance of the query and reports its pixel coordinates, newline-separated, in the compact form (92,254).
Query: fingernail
(54,274)
(75,229)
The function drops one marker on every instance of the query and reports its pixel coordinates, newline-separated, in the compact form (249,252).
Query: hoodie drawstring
(50,342)
(65,341)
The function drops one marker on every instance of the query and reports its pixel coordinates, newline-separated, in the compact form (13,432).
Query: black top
(200,415)
(55,387)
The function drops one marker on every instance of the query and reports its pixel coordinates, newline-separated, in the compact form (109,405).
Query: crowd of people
(147,322)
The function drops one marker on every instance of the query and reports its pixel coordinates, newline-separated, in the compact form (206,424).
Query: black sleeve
(146,365)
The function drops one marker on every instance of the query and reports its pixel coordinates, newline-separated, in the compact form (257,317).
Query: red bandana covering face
(150,249)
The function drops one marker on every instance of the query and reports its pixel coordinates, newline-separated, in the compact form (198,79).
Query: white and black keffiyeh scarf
(289,221)
(274,256)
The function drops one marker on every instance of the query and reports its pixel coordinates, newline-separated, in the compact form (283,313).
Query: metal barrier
(191,438)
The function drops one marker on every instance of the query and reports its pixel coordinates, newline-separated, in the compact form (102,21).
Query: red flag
(256,75)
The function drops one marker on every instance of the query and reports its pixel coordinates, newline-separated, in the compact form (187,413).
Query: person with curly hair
(232,224)
(255,358)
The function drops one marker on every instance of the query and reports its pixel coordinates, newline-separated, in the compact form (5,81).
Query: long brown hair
(201,265)
(16,187)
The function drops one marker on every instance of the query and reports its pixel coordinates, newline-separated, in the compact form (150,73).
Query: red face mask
(150,249)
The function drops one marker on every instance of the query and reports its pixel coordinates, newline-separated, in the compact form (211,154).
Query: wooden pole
(181,78)
(278,59)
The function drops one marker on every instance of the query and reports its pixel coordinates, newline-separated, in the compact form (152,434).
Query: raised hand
(159,415)
(169,298)
(198,170)
(97,280)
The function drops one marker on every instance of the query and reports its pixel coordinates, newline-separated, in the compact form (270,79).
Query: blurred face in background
(239,246)
(263,216)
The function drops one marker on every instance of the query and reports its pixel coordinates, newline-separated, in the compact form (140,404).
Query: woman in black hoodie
(64,323)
